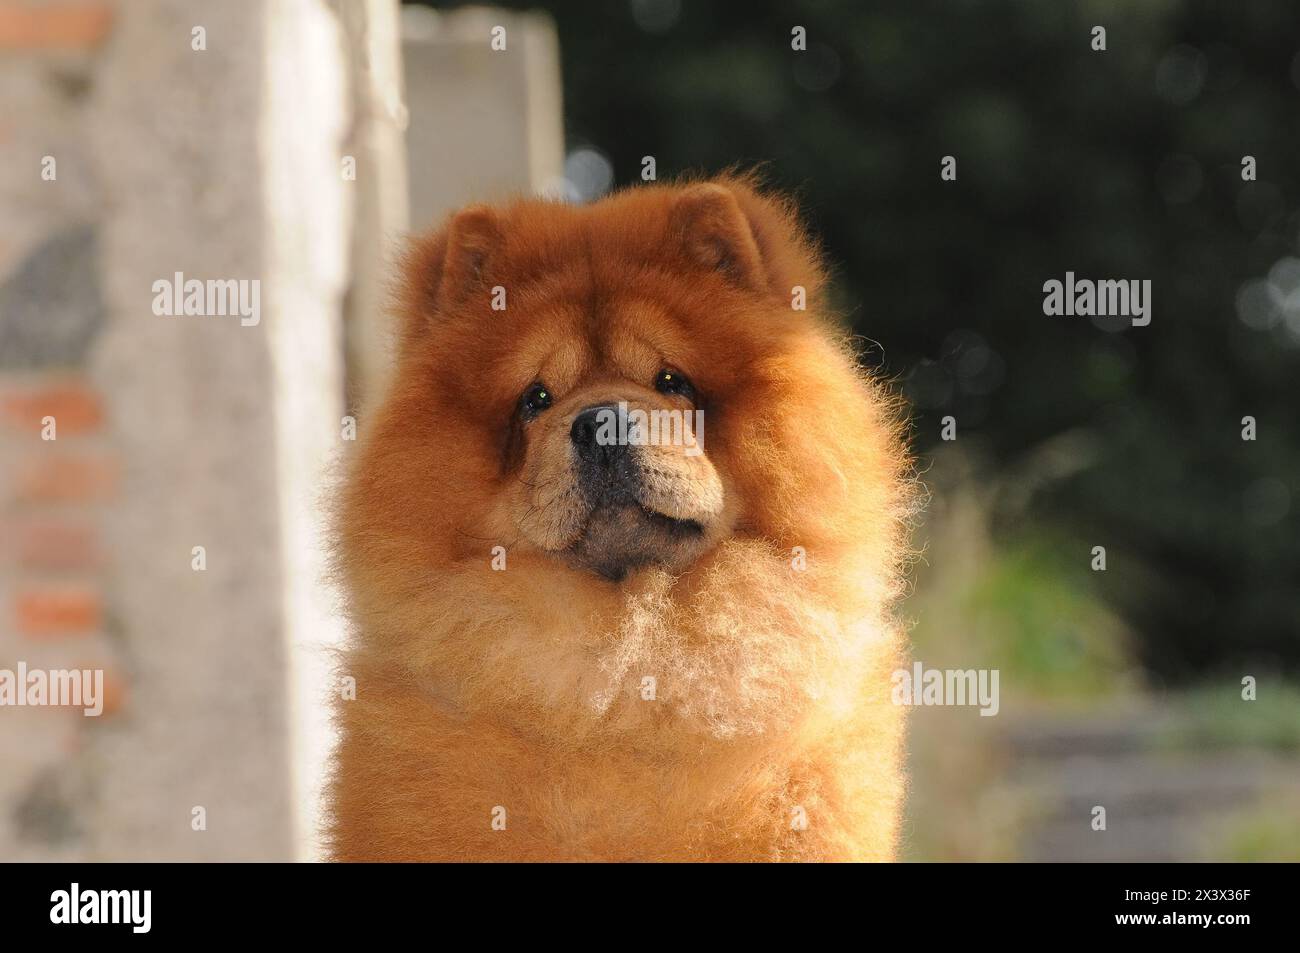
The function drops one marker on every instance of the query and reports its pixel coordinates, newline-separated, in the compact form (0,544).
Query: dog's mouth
(623,536)
(671,524)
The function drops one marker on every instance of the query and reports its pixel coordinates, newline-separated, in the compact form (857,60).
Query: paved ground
(1026,789)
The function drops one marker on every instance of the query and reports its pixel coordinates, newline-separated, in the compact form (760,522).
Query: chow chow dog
(575,641)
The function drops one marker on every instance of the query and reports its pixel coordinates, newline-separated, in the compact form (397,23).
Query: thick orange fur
(523,692)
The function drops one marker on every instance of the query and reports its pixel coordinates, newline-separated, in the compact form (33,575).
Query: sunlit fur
(524,692)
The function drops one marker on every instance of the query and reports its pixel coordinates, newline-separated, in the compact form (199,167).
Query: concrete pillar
(220,163)
(484,122)
(376,152)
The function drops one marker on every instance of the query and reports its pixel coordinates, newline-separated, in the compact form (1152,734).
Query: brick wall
(59,475)
(58,467)
(55,492)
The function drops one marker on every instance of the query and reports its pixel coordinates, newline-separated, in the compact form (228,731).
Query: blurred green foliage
(1034,615)
(1121,164)
(1269,834)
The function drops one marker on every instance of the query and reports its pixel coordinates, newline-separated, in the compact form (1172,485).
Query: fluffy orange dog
(586,626)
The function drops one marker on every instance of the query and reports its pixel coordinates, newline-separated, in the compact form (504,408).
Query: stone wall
(55,494)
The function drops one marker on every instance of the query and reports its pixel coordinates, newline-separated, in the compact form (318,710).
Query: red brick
(63,26)
(57,544)
(75,407)
(52,612)
(67,477)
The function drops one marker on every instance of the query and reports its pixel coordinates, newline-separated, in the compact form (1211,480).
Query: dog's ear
(716,235)
(442,269)
(752,237)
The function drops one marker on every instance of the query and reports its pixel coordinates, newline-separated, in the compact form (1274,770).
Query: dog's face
(609,450)
(593,384)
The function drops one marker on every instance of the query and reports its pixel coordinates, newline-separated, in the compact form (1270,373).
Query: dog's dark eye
(669,381)
(536,399)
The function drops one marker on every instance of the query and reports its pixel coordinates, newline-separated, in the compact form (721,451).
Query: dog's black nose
(597,434)
(607,470)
